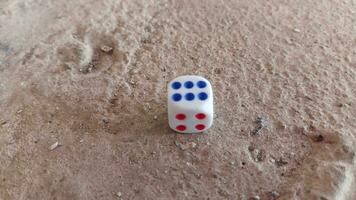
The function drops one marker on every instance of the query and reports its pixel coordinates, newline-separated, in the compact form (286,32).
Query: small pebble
(296,30)
(274,194)
(106,49)
(280,125)
(255,198)
(54,146)
(280,162)
(155,117)
(188,145)
(106,120)
(81,141)
(259,155)
(261,123)
(19,111)
(218,70)
(132,82)
(259,120)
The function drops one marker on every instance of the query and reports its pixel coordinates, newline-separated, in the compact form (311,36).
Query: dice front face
(190,104)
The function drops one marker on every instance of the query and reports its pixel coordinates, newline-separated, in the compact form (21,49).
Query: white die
(190,104)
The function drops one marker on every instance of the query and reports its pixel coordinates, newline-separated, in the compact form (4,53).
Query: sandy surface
(290,62)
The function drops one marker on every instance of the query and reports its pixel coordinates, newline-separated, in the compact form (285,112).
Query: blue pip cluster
(189,96)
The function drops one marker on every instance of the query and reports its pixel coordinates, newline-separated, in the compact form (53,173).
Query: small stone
(119,194)
(134,71)
(260,155)
(257,130)
(218,70)
(296,30)
(309,98)
(261,123)
(280,162)
(155,117)
(81,141)
(255,198)
(147,107)
(90,69)
(259,120)
(106,120)
(280,125)
(185,146)
(19,111)
(251,148)
(318,138)
(272,160)
(257,155)
(274,194)
(106,49)
(132,82)
(54,146)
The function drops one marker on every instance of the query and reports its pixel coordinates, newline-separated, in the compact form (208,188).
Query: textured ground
(290,62)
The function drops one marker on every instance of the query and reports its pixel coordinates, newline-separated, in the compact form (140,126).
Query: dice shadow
(139,121)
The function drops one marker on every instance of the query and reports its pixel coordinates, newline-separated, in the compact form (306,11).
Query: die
(190,104)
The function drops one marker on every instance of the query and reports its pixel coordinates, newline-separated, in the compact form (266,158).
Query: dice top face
(190,104)
(189,91)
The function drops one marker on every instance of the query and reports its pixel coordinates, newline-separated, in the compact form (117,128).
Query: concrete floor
(292,63)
